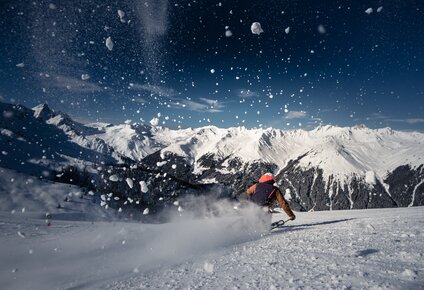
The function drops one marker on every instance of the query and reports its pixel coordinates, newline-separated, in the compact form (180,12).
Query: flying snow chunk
(369,11)
(212,71)
(287,194)
(208,267)
(52,6)
(143,186)
(379,9)
(130,182)
(146,211)
(109,43)
(77,194)
(154,122)
(85,77)
(159,164)
(121,15)
(256,28)
(370,177)
(287,30)
(321,29)
(20,65)
(113,178)
(128,121)
(228,33)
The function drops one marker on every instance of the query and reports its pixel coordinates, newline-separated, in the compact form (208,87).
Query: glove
(292,218)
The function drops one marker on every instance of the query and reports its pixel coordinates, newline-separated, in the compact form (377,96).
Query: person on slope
(264,193)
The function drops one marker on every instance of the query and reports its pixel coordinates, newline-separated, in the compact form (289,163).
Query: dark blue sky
(336,65)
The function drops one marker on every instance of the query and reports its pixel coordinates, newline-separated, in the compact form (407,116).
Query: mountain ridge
(328,167)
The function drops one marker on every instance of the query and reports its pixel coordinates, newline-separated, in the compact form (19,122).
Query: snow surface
(214,245)
(154,121)
(414,192)
(338,151)
(23,193)
(364,249)
(370,177)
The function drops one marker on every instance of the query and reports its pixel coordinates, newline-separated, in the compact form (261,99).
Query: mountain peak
(42,111)
(360,126)
(323,128)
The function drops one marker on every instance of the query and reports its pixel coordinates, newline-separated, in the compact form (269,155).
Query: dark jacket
(265,194)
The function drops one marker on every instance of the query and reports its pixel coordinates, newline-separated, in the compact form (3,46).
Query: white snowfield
(338,151)
(355,249)
(359,249)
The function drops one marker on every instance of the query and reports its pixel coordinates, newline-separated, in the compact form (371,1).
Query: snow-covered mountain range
(326,168)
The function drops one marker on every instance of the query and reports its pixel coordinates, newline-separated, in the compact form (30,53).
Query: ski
(278,224)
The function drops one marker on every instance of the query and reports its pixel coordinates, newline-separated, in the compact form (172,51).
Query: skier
(264,193)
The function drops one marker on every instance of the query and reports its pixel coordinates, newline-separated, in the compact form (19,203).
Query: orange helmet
(267,177)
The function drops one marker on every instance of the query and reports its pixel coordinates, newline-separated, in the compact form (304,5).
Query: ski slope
(368,249)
